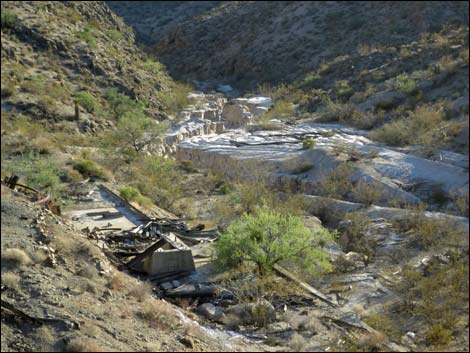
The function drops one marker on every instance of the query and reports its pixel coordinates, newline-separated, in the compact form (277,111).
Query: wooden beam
(307,287)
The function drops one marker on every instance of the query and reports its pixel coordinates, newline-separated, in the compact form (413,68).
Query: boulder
(236,115)
(383,100)
(210,311)
(261,312)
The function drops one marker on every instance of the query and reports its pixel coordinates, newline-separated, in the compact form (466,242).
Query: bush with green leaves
(130,193)
(87,101)
(176,98)
(309,143)
(89,169)
(404,83)
(37,171)
(88,35)
(121,104)
(268,237)
(8,18)
(154,67)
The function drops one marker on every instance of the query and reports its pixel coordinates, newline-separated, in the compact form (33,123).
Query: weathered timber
(307,287)
(192,291)
(146,253)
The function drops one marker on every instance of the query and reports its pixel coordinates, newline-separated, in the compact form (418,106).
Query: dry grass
(367,192)
(81,344)
(15,258)
(88,271)
(11,280)
(118,282)
(141,292)
(371,342)
(44,338)
(159,314)
(297,343)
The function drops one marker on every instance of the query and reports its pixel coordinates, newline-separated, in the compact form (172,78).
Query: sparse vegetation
(309,143)
(89,169)
(87,101)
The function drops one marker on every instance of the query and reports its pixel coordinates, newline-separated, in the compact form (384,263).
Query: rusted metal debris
(41,199)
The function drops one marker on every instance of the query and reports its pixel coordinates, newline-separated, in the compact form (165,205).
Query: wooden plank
(146,253)
(307,287)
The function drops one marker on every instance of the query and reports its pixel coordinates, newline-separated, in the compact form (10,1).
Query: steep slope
(278,41)
(152,19)
(52,51)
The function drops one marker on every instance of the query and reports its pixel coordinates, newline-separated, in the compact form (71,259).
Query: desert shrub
(176,98)
(141,292)
(354,235)
(309,143)
(461,203)
(15,257)
(267,237)
(384,323)
(11,280)
(8,89)
(88,271)
(158,178)
(280,109)
(114,35)
(311,80)
(343,90)
(44,338)
(88,35)
(121,104)
(342,112)
(38,171)
(437,296)
(8,18)
(420,127)
(404,83)
(154,67)
(89,169)
(297,343)
(81,344)
(87,101)
(159,314)
(367,192)
(337,184)
(129,193)
(439,336)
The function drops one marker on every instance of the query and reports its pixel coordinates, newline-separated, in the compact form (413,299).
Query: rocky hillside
(153,19)
(54,52)
(256,42)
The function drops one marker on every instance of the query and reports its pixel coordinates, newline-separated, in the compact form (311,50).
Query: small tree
(268,237)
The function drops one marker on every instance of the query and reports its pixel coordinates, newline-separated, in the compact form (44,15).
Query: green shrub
(87,101)
(439,336)
(309,143)
(343,90)
(9,19)
(420,127)
(338,183)
(154,67)
(176,98)
(405,84)
(311,80)
(267,238)
(114,35)
(39,171)
(129,193)
(88,35)
(121,104)
(354,235)
(89,169)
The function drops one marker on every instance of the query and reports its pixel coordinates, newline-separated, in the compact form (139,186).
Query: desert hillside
(234,176)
